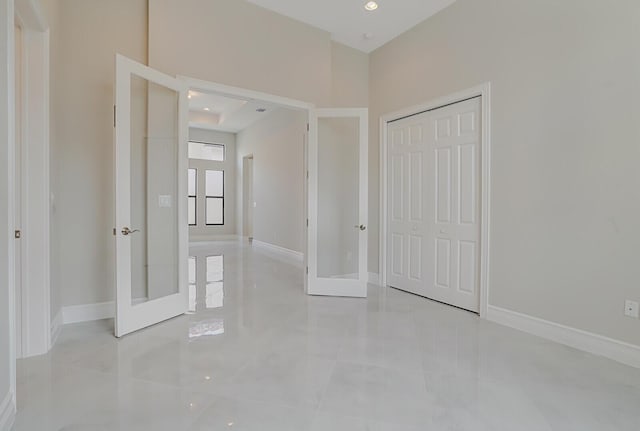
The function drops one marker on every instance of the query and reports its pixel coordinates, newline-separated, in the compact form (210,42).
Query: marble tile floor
(267,357)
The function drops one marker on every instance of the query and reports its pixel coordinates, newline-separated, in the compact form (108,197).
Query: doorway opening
(156,114)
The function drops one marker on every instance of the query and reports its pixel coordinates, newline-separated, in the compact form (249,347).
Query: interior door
(151,128)
(434,204)
(337,222)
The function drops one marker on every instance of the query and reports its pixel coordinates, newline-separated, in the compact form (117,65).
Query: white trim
(610,348)
(243,93)
(91,312)
(7,160)
(293,255)
(317,284)
(35,287)
(484,91)
(7,412)
(56,327)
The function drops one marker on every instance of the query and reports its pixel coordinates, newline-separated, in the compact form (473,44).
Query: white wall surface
(7,365)
(565,195)
(203,232)
(277,146)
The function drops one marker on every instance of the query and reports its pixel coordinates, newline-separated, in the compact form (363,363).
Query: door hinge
(114,231)
(18,234)
(307,127)
(307,270)
(307,174)
(114,115)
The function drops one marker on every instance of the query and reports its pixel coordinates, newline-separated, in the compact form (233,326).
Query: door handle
(126,231)
(361,227)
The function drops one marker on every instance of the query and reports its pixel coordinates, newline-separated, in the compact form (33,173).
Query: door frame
(483,91)
(247,205)
(38,331)
(35,59)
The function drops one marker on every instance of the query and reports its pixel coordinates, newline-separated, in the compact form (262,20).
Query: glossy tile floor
(265,356)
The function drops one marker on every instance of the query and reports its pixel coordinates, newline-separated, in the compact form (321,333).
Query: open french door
(338,175)
(151,231)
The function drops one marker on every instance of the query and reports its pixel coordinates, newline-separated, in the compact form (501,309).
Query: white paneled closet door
(434,204)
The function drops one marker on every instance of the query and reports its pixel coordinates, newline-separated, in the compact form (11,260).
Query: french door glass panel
(151,197)
(338,202)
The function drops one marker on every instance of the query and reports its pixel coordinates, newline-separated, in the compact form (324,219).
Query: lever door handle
(126,231)
(361,227)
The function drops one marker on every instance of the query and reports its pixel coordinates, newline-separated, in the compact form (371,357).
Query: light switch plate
(164,201)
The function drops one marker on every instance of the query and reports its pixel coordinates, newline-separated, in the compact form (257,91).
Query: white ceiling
(348,21)
(226,114)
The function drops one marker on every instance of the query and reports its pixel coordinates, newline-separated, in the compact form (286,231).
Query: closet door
(408,205)
(434,227)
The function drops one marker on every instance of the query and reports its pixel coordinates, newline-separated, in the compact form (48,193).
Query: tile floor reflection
(258,354)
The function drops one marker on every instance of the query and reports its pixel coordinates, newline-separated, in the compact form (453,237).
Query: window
(203,151)
(214,192)
(192,186)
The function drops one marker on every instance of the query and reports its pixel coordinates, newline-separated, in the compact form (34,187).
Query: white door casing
(337,202)
(434,212)
(156,308)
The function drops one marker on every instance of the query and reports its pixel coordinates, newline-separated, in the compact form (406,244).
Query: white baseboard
(56,327)
(616,350)
(7,412)
(284,252)
(374,278)
(90,312)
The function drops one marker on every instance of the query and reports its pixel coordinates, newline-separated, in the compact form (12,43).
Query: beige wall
(277,145)
(236,43)
(565,196)
(203,232)
(350,77)
(89,33)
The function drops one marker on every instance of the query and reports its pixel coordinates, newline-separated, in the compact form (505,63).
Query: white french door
(337,211)
(434,184)
(151,230)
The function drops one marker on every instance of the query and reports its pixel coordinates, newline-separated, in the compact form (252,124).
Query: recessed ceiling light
(368,36)
(206,109)
(370,6)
